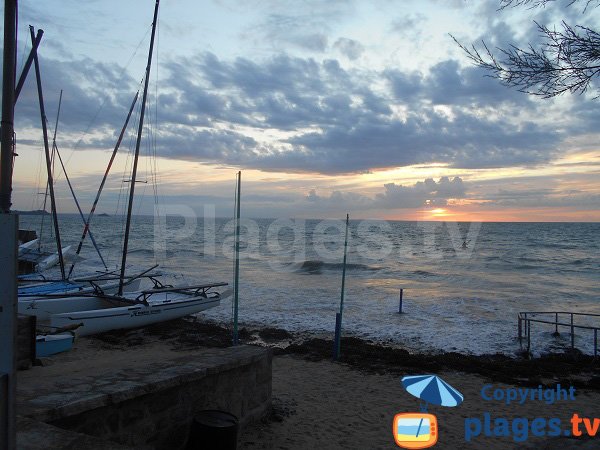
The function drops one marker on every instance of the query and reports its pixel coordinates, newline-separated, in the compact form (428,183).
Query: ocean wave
(317,266)
(423,273)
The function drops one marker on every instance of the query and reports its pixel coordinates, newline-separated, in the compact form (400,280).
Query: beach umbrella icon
(432,390)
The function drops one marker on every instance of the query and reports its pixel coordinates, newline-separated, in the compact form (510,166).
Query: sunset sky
(327,107)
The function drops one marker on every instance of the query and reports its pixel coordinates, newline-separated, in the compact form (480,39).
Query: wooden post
(556,324)
(520,329)
(400,306)
(595,342)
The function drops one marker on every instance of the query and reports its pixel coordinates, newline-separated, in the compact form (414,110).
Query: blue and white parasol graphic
(432,389)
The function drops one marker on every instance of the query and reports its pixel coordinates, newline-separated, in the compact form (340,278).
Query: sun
(439,212)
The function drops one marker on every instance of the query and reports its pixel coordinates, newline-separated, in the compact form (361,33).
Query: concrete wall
(25,341)
(161,417)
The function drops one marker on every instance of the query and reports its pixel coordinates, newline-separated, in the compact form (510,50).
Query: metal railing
(527,318)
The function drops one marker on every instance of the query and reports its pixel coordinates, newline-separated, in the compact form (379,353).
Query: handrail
(525,319)
(560,312)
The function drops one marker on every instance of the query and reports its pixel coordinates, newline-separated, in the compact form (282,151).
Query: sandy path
(331,406)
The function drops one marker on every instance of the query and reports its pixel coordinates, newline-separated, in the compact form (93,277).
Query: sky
(327,108)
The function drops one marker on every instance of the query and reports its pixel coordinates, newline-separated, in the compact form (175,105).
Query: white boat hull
(163,307)
(52,260)
(43,307)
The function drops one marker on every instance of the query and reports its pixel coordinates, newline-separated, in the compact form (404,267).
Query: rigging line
(23,59)
(124,187)
(48,162)
(35,198)
(86,223)
(156,172)
(137,151)
(80,213)
(106,98)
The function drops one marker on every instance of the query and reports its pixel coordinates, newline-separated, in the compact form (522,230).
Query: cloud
(395,196)
(300,114)
(350,48)
(409,25)
(421,193)
(338,122)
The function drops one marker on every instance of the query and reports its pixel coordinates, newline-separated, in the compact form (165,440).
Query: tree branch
(567,61)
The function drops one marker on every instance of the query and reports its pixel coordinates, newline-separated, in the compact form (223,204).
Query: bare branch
(542,3)
(567,61)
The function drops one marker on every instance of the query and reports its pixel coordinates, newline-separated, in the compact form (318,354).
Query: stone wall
(238,382)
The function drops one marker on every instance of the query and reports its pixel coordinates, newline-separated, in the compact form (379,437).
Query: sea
(463,284)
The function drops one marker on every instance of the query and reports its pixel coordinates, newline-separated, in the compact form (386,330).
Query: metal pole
(9,230)
(556,324)
(339,328)
(400,306)
(236,288)
(137,153)
(48,161)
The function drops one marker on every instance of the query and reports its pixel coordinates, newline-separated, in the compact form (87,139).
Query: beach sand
(326,405)
(350,404)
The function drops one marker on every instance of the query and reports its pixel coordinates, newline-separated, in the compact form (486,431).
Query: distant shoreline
(355,220)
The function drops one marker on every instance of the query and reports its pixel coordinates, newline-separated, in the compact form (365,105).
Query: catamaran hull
(107,319)
(44,307)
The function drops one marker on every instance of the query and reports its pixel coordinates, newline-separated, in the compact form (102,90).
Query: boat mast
(137,152)
(48,161)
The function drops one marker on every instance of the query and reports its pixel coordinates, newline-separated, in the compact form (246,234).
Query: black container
(213,430)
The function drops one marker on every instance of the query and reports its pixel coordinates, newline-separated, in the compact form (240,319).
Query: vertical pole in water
(400,306)
(237,261)
(9,229)
(520,329)
(338,324)
(555,324)
(595,342)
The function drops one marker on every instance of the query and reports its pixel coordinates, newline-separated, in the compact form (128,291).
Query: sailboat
(41,297)
(98,311)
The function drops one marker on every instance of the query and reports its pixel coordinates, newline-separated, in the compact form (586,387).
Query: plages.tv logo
(420,430)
